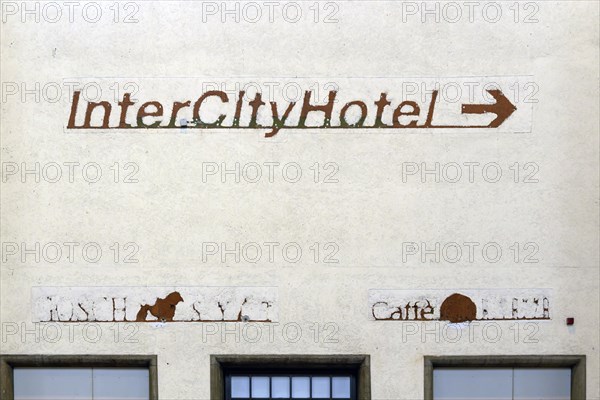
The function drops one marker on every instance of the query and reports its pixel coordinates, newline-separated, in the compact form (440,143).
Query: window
(81,383)
(502,383)
(245,387)
(33,377)
(338,377)
(505,378)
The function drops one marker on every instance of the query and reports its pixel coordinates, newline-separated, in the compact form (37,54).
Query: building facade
(440,242)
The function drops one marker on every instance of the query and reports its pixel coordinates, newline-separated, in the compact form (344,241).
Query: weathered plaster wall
(344,326)
(369,214)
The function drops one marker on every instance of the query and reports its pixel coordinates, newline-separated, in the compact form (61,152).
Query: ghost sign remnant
(154,304)
(459,305)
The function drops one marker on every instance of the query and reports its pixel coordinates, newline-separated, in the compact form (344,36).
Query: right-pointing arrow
(503,108)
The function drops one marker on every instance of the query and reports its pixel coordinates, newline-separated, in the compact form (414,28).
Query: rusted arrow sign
(503,108)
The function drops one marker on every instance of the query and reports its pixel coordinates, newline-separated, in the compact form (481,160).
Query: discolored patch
(458,308)
(163,309)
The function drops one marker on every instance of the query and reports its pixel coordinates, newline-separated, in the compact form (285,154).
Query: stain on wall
(458,308)
(163,309)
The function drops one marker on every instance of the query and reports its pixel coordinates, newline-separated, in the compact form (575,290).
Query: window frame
(575,362)
(10,361)
(223,365)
